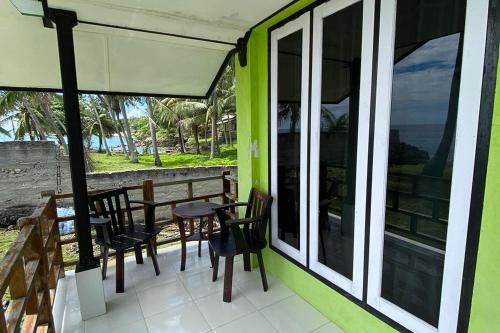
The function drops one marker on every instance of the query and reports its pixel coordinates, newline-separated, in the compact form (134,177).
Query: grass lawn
(103,163)
(6,239)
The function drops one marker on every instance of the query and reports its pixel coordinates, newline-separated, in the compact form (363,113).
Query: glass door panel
(289,123)
(336,121)
(424,146)
(421,150)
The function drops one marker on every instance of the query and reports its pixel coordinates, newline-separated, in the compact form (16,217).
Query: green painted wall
(485,312)
(252,111)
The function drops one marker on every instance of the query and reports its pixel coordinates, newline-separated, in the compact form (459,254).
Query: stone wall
(28,168)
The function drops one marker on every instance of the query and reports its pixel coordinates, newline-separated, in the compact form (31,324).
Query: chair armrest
(145,203)
(99,222)
(242,221)
(231,205)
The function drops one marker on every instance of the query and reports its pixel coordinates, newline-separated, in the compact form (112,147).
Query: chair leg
(153,256)
(104,255)
(228,280)
(138,254)
(120,272)
(246,262)
(216,268)
(262,271)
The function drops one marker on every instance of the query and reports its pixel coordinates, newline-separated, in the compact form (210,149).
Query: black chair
(112,232)
(233,240)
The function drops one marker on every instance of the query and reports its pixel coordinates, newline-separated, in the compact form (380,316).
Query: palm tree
(95,123)
(34,115)
(118,106)
(173,115)
(131,145)
(152,129)
(221,101)
(99,116)
(58,128)
(107,102)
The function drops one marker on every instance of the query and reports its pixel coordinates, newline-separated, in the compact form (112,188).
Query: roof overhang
(152,47)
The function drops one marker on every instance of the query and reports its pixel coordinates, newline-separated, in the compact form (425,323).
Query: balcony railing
(30,271)
(147,192)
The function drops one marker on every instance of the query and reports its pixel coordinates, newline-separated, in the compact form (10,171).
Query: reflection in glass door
(342,40)
(424,149)
(289,123)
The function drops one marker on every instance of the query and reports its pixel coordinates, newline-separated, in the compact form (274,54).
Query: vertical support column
(88,277)
(65,21)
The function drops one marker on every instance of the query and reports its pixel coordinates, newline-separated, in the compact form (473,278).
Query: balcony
(189,301)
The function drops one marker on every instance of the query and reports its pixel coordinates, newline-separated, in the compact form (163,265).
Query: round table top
(195,210)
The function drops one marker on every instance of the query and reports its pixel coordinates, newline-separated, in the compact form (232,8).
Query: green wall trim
(485,311)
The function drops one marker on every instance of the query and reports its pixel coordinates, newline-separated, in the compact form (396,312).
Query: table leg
(210,231)
(182,231)
(201,236)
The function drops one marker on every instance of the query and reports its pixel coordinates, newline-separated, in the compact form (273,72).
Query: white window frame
(300,23)
(463,167)
(354,286)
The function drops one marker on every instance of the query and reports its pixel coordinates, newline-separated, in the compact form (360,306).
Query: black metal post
(65,21)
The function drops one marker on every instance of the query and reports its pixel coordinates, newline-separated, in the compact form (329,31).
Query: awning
(165,47)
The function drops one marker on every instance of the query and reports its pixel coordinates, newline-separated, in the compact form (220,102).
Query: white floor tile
(200,285)
(252,323)
(194,265)
(190,302)
(218,313)
(72,321)
(145,276)
(185,318)
(293,314)
(254,291)
(137,327)
(163,297)
(329,328)
(240,276)
(120,311)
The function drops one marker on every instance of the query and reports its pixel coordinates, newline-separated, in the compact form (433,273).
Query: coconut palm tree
(172,114)
(34,115)
(99,116)
(117,104)
(95,122)
(152,129)
(107,103)
(221,101)
(45,101)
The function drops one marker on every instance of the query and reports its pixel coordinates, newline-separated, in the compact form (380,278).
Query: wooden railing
(29,273)
(226,195)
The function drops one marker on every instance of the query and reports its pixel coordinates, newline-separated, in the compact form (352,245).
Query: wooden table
(204,211)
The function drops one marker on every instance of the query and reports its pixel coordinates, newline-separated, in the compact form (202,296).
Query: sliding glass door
(340,113)
(429,77)
(289,117)
(422,142)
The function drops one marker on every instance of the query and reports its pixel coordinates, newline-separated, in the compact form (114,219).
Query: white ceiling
(119,60)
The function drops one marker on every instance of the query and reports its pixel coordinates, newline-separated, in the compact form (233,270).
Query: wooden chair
(233,240)
(113,233)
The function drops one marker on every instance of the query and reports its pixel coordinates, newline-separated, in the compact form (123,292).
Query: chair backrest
(108,204)
(259,206)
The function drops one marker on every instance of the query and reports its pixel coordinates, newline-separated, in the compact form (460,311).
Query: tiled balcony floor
(189,301)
